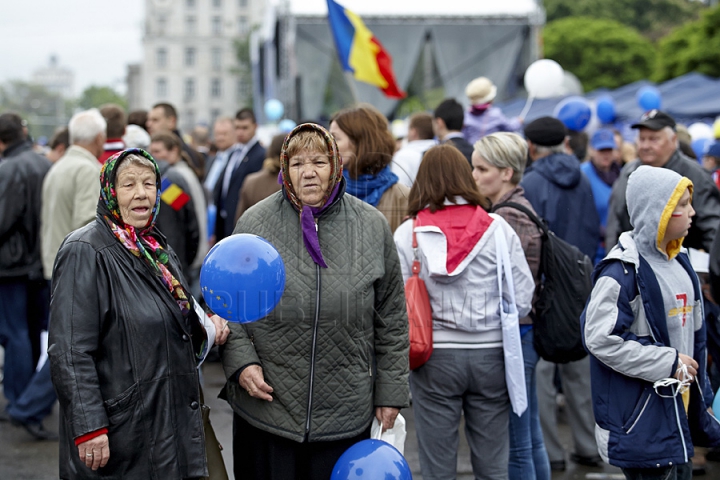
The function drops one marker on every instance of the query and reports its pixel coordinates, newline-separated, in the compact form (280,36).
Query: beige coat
(70,195)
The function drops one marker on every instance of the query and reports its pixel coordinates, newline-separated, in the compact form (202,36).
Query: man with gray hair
(657,146)
(72,187)
(562,195)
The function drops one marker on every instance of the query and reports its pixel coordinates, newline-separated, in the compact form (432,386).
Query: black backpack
(565,286)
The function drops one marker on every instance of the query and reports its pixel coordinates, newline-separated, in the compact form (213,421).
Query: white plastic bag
(394,436)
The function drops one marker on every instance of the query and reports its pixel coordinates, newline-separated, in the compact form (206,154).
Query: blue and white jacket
(638,426)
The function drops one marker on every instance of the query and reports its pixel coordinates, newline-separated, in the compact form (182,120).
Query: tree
(601,53)
(43,109)
(653,18)
(94,97)
(692,47)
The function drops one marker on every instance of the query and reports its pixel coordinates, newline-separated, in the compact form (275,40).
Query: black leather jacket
(122,358)
(21,178)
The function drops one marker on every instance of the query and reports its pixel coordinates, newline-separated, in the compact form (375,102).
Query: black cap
(655,120)
(546,131)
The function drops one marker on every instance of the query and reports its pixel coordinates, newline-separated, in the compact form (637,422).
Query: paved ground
(21,458)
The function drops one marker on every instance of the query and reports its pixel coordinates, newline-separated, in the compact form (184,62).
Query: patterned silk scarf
(139,241)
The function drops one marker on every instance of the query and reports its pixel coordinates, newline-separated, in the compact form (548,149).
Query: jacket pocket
(638,411)
(122,402)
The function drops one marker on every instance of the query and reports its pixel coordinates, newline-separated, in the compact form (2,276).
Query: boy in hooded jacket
(643,327)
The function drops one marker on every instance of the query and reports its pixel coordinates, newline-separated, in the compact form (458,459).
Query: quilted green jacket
(336,346)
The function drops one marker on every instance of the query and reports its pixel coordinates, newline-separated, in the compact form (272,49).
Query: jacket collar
(16,148)
(80,152)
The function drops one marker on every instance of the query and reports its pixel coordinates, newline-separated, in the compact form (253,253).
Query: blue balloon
(274,109)
(716,404)
(211,216)
(648,98)
(242,278)
(574,112)
(371,460)
(700,146)
(605,109)
(286,125)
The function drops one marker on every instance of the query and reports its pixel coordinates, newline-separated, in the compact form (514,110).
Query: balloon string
(527,106)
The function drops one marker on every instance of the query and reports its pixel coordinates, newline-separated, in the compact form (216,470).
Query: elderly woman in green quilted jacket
(306,381)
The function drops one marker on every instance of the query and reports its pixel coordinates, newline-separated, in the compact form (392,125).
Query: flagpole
(353,89)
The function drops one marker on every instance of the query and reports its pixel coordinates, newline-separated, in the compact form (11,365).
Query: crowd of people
(103,235)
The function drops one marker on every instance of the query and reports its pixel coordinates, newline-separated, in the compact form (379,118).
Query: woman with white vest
(476,367)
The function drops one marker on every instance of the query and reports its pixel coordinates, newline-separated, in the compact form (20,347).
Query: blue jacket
(601,193)
(624,323)
(561,194)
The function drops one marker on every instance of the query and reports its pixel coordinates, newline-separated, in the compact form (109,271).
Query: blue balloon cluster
(274,109)
(648,97)
(242,278)
(574,112)
(371,460)
(605,108)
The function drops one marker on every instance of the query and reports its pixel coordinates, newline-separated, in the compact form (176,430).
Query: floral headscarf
(140,242)
(308,213)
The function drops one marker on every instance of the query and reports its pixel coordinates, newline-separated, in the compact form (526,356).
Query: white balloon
(544,79)
(700,130)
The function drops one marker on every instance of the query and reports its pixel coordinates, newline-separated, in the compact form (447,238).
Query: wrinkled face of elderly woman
(309,172)
(136,193)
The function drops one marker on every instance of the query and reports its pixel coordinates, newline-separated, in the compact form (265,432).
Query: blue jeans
(15,338)
(528,457)
(37,400)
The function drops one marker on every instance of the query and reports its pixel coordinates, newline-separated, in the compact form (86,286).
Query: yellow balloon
(716,128)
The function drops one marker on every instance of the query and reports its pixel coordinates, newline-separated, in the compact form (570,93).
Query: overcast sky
(94,38)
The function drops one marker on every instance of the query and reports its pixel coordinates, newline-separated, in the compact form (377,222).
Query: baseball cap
(603,139)
(655,120)
(713,150)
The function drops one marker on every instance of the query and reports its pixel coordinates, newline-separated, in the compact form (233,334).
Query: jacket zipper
(314,344)
(639,415)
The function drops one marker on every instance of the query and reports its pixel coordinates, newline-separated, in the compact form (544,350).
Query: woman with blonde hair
(366,147)
(498,166)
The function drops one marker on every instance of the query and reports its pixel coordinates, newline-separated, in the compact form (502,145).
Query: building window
(242,91)
(161,57)
(216,58)
(189,88)
(242,23)
(217,25)
(214,114)
(189,118)
(190,25)
(217,3)
(243,3)
(161,24)
(190,3)
(161,90)
(190,57)
(216,88)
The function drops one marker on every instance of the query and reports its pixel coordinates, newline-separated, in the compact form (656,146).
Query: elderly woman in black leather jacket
(126,339)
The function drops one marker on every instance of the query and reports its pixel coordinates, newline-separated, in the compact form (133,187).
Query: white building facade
(190,60)
(55,78)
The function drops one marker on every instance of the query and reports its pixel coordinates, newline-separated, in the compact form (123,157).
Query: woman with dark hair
(476,364)
(260,185)
(366,147)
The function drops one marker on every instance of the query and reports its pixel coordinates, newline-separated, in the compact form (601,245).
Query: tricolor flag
(360,52)
(173,195)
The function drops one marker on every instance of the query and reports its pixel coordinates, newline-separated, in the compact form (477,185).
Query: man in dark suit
(163,117)
(247,157)
(448,124)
